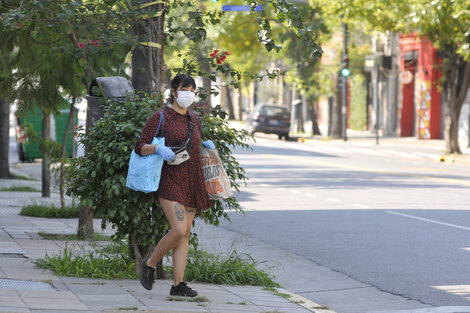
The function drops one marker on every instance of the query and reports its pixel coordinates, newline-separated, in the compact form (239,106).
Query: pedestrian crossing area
(352,150)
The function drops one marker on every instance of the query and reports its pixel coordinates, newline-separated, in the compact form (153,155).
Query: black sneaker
(182,290)
(147,275)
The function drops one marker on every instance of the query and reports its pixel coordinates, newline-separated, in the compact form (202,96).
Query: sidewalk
(25,288)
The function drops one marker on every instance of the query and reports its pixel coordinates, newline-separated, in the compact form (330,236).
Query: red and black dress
(181,183)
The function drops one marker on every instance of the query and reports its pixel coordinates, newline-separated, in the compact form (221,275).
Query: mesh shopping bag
(216,180)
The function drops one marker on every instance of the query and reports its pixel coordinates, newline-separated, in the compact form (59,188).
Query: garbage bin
(105,88)
(29,150)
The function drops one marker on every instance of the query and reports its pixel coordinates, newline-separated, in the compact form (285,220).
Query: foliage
(236,32)
(91,261)
(20,188)
(62,45)
(232,269)
(39,210)
(358,118)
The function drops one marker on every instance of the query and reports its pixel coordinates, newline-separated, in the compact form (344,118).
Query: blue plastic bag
(145,171)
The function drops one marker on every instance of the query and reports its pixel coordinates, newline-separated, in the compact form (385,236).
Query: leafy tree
(446,23)
(61,46)
(99,177)
(7,57)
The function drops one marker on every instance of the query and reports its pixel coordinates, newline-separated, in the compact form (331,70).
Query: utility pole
(345,72)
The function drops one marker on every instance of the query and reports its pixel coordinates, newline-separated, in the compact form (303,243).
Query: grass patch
(277,293)
(94,261)
(50,211)
(70,237)
(20,188)
(322,307)
(22,177)
(232,269)
(199,299)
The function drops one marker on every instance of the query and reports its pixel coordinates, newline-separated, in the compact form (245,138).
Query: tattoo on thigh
(179,210)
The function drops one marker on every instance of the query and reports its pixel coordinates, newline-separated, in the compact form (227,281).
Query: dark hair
(184,80)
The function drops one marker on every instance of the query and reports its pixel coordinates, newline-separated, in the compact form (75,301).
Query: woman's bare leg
(180,252)
(176,216)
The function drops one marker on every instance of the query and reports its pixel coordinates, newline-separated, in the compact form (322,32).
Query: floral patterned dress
(181,183)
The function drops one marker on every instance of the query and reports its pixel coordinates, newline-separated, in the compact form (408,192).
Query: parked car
(269,119)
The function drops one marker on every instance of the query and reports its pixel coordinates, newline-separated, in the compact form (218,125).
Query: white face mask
(185,98)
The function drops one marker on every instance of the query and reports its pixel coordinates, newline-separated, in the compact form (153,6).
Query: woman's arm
(143,146)
(148,149)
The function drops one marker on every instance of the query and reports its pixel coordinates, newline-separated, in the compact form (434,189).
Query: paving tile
(10,298)
(64,311)
(6,309)
(233,308)
(43,300)
(92,288)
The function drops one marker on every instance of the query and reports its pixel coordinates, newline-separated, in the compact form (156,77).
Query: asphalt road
(389,216)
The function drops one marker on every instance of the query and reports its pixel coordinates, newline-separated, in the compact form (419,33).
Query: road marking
(294,191)
(366,151)
(328,149)
(402,154)
(361,206)
(265,185)
(281,188)
(428,155)
(310,195)
(428,220)
(333,200)
(363,169)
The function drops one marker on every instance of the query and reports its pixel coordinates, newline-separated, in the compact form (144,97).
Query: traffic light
(345,72)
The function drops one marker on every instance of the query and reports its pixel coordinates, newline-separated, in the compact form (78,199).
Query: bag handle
(200,127)
(160,122)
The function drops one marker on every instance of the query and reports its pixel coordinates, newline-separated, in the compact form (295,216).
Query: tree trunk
(206,81)
(141,79)
(4,139)
(315,128)
(457,83)
(46,171)
(85,223)
(336,120)
(63,154)
(231,112)
(158,61)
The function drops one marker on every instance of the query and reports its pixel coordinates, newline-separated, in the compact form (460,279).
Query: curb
(304,302)
(453,158)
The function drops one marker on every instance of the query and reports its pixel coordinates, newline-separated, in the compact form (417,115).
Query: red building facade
(420,104)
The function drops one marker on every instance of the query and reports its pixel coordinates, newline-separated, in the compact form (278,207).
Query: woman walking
(181,193)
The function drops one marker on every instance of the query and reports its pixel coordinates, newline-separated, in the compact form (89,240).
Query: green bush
(38,210)
(99,178)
